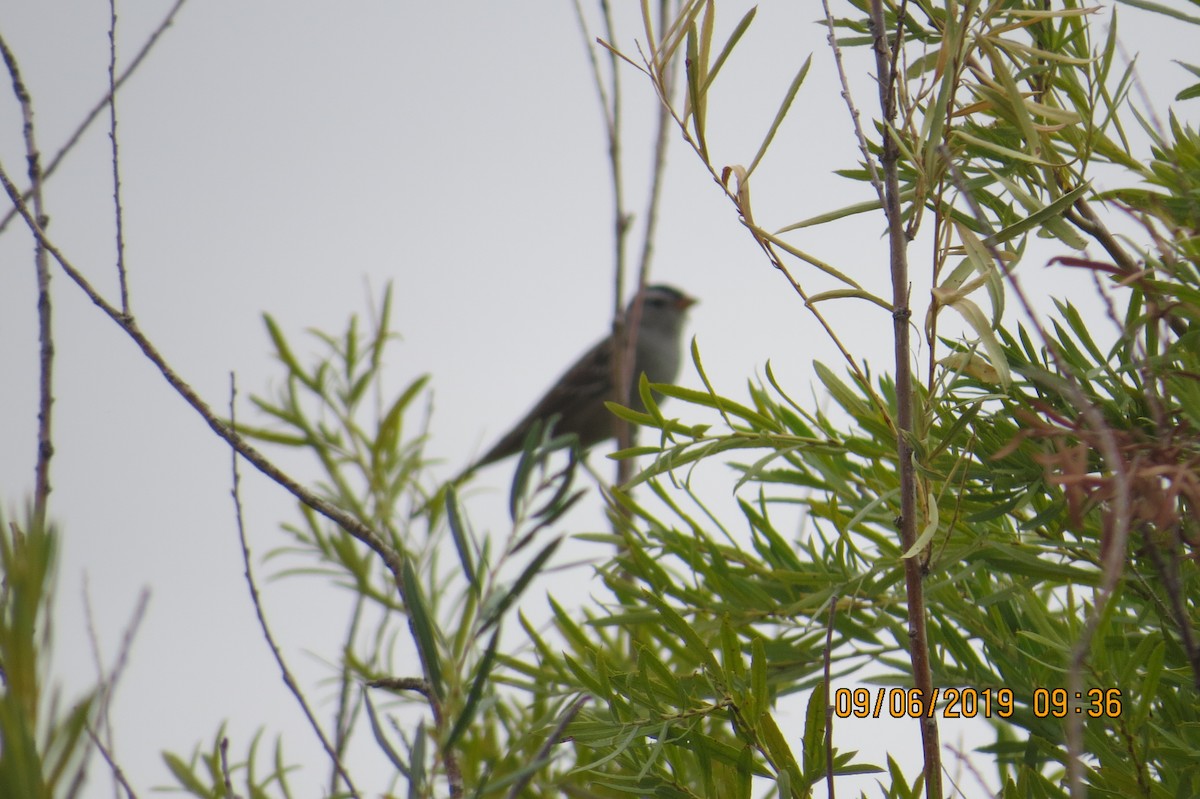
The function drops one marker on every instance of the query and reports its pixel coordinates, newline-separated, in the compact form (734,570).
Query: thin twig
(226,775)
(416,684)
(624,327)
(345,717)
(286,673)
(108,682)
(855,117)
(649,231)
(118,774)
(45,442)
(116,161)
(97,108)
(356,528)
(739,198)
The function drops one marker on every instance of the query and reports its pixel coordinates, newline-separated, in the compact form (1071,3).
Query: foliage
(1056,478)
(1043,488)
(451,717)
(42,746)
(1054,472)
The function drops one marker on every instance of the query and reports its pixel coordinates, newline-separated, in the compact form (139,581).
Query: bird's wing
(582,387)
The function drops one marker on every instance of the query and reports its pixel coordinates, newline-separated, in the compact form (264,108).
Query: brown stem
(918,636)
(118,211)
(45,443)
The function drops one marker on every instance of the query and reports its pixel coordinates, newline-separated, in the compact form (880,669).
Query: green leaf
(284,352)
(814,732)
(496,609)
(780,114)
(759,692)
(734,38)
(687,634)
(423,628)
(1159,8)
(931,527)
(482,672)
(459,535)
(780,754)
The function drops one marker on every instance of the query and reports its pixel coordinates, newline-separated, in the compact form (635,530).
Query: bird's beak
(685,302)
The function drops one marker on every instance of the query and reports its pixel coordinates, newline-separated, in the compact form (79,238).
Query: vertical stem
(657,171)
(621,223)
(45,442)
(116,161)
(918,637)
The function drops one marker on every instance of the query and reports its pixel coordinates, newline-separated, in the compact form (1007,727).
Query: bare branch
(116,169)
(45,445)
(91,116)
(286,673)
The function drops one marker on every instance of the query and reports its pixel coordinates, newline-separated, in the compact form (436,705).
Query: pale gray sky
(279,157)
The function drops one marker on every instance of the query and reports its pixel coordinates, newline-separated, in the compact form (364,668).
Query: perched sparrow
(578,397)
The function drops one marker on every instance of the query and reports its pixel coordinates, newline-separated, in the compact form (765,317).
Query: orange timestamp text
(969,703)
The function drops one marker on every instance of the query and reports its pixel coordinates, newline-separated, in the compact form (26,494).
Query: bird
(576,400)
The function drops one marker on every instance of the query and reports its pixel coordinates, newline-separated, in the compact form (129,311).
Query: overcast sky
(290,158)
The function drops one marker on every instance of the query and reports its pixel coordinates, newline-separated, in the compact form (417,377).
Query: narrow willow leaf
(731,653)
(1012,95)
(780,114)
(931,527)
(482,673)
(841,393)
(381,737)
(694,70)
(734,38)
(417,778)
(704,52)
(675,34)
(1039,218)
(974,317)
(787,769)
(271,436)
(1148,690)
(179,770)
(567,625)
(973,364)
(423,628)
(759,692)
(687,634)
(1160,8)
(1005,152)
(855,294)
(648,401)
(525,465)
(1060,229)
(390,427)
(497,608)
(459,534)
(755,470)
(980,256)
(841,213)
(808,259)
(934,124)
(814,732)
(284,352)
